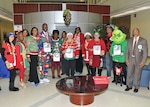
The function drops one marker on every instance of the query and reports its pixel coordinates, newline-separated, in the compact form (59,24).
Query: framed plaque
(96,49)
(47,47)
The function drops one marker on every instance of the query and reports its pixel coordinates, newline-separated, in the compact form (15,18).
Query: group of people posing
(65,53)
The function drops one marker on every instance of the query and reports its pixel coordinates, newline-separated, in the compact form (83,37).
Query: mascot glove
(121,53)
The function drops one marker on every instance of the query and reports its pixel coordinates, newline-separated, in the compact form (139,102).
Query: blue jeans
(109,63)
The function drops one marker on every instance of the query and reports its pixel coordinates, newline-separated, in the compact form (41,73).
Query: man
(44,53)
(135,59)
(108,42)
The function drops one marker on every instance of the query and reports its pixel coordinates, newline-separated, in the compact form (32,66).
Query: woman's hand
(29,60)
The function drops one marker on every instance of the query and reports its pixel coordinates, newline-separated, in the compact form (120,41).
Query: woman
(63,36)
(63,39)
(96,49)
(32,55)
(70,53)
(108,42)
(9,57)
(56,45)
(85,52)
(79,39)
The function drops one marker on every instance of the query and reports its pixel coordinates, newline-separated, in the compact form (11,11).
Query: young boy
(21,59)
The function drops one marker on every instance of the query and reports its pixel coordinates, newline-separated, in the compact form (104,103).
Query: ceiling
(119,8)
(60,1)
(126,7)
(68,1)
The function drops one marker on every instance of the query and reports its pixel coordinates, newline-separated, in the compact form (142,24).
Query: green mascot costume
(118,51)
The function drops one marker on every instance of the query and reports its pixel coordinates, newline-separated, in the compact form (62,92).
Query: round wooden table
(81,89)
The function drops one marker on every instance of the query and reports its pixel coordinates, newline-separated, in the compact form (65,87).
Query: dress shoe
(53,77)
(59,76)
(135,90)
(113,81)
(62,73)
(14,89)
(127,89)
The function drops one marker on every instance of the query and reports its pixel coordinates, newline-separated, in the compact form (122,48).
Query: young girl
(56,45)
(96,49)
(85,52)
(21,59)
(9,57)
(70,51)
(32,55)
(25,34)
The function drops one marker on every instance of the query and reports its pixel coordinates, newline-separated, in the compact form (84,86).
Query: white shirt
(135,39)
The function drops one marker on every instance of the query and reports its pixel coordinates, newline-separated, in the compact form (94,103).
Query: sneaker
(36,84)
(46,80)
(22,84)
(41,81)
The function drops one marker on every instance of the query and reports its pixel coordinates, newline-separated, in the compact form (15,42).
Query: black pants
(70,67)
(33,75)
(94,71)
(63,61)
(123,65)
(79,63)
(89,69)
(12,78)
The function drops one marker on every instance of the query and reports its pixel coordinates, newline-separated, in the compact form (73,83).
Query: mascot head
(118,36)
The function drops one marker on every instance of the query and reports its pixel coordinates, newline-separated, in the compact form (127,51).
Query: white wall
(142,21)
(54,19)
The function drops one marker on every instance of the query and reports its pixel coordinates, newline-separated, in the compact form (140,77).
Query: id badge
(47,47)
(96,49)
(69,53)
(87,55)
(56,57)
(117,50)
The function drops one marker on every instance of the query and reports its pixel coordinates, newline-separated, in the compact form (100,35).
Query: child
(56,45)
(96,49)
(85,52)
(21,59)
(70,51)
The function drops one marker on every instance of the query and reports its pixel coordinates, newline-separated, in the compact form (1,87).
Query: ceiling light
(130,11)
(6,18)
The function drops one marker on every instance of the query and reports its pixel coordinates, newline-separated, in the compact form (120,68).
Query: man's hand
(127,62)
(141,64)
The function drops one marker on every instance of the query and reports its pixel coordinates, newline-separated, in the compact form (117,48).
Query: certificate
(117,50)
(97,50)
(56,57)
(47,47)
(69,53)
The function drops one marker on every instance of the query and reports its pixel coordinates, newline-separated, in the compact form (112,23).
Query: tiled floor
(46,95)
